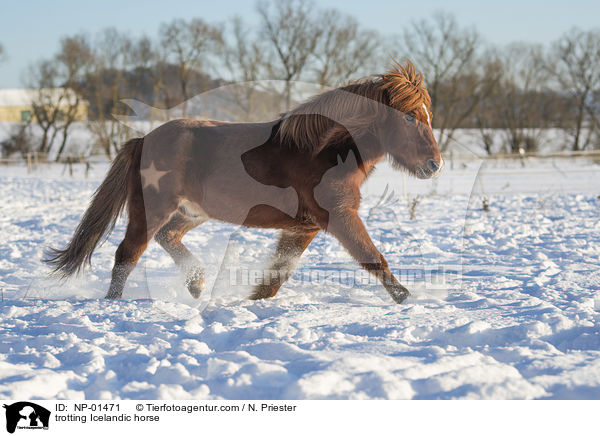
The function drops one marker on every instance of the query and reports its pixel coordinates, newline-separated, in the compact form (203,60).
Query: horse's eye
(409,118)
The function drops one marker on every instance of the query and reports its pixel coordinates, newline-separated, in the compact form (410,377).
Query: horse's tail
(100,217)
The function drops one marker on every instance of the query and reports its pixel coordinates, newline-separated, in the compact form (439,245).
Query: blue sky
(30,30)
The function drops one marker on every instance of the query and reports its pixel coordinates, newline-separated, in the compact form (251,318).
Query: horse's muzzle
(432,168)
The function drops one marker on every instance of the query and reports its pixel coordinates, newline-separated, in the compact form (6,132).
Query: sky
(31,30)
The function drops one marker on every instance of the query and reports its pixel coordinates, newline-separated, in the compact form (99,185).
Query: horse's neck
(369,150)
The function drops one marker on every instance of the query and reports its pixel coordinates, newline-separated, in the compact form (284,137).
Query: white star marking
(151,176)
(427,113)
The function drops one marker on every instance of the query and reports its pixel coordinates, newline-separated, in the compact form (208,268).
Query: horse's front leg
(349,229)
(289,249)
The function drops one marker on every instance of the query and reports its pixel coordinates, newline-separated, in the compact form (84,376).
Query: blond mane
(351,109)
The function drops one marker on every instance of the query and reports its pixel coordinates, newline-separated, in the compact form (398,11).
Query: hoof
(399,294)
(196,284)
(400,298)
(264,291)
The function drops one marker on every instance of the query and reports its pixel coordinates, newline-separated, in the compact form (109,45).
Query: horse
(300,173)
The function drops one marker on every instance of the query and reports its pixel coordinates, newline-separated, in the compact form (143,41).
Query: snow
(514,312)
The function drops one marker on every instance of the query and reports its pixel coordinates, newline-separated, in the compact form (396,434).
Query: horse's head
(405,130)
(394,107)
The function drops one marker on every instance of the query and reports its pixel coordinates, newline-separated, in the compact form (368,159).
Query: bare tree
(486,116)
(2,53)
(575,66)
(143,57)
(344,50)
(292,32)
(73,58)
(152,72)
(525,81)
(448,56)
(243,55)
(46,100)
(188,44)
(143,53)
(249,98)
(56,101)
(103,83)
(148,77)
(519,105)
(164,91)
(245,63)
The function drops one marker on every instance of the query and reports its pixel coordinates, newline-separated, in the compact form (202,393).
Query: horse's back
(204,162)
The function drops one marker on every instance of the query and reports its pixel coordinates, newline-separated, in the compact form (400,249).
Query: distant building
(15,104)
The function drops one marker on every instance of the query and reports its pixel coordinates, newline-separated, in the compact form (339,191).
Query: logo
(26,415)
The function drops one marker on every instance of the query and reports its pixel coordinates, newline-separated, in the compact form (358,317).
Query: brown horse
(300,173)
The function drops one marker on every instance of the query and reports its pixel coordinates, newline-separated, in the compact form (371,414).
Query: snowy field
(505,301)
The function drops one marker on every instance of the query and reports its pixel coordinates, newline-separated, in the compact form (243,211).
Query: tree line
(519,89)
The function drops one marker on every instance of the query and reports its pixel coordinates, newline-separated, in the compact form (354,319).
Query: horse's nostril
(433,165)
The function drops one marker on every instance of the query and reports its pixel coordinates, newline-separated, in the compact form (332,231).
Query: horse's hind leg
(127,256)
(169,237)
(142,227)
(289,249)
